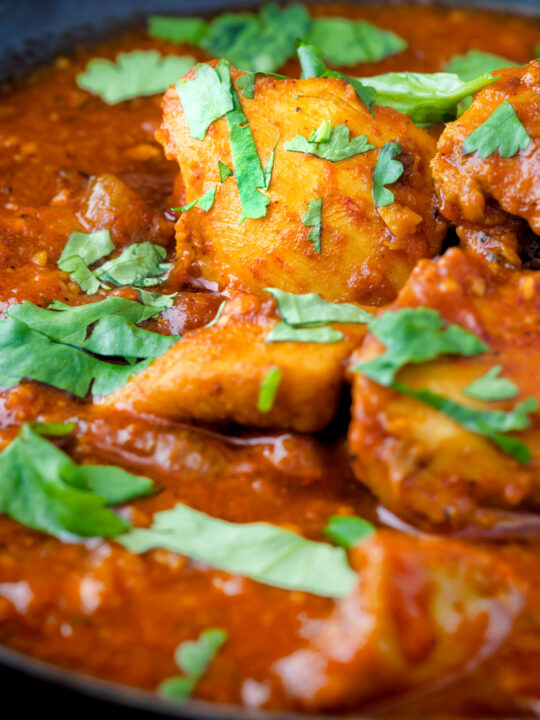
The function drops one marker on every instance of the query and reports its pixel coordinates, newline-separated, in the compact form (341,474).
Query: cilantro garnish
(193,658)
(312,218)
(260,551)
(283,332)
(206,201)
(312,309)
(502,131)
(492,387)
(475,63)
(204,99)
(321,134)
(269,167)
(224,171)
(348,42)
(246,82)
(134,74)
(82,250)
(387,171)
(44,489)
(347,530)
(140,265)
(337,147)
(268,389)
(177,29)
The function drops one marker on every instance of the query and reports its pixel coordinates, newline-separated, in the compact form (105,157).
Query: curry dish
(269,417)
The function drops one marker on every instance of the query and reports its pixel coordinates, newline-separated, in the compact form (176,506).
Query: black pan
(32,32)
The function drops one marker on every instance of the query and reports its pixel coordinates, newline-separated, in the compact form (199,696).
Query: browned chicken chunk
(366,253)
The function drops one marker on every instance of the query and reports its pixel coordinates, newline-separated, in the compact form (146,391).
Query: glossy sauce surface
(95,607)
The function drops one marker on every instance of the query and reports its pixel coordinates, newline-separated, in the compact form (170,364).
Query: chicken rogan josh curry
(270,332)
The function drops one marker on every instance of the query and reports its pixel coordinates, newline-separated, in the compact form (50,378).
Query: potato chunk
(366,255)
(423,610)
(214,374)
(421,463)
(494,201)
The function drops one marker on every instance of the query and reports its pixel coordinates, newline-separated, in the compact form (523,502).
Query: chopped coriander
(52,429)
(415,335)
(134,74)
(268,389)
(312,309)
(204,99)
(387,171)
(140,264)
(177,29)
(206,201)
(347,530)
(260,551)
(216,317)
(337,147)
(269,167)
(193,658)
(224,171)
(246,82)
(283,332)
(321,134)
(502,131)
(312,218)
(247,164)
(348,42)
(156,300)
(492,387)
(82,250)
(44,489)
(475,63)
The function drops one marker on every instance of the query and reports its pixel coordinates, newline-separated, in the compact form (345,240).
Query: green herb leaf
(177,29)
(321,134)
(313,66)
(270,167)
(134,74)
(156,300)
(43,488)
(475,63)
(348,42)
(217,315)
(489,423)
(246,82)
(312,309)
(193,658)
(502,131)
(138,264)
(259,43)
(313,218)
(115,335)
(283,332)
(425,98)
(387,171)
(492,387)
(347,530)
(247,164)
(265,553)
(224,171)
(415,335)
(204,99)
(337,147)
(52,429)
(206,201)
(82,250)
(268,389)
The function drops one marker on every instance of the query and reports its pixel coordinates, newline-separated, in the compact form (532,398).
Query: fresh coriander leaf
(247,164)
(156,300)
(269,168)
(246,82)
(313,66)
(44,489)
(387,171)
(502,131)
(337,147)
(475,63)
(282,332)
(489,423)
(52,429)
(109,377)
(115,335)
(492,387)
(206,201)
(321,134)
(260,551)
(312,309)
(204,99)
(177,29)
(193,658)
(224,171)
(425,98)
(114,484)
(259,43)
(82,250)
(138,264)
(268,389)
(313,218)
(217,315)
(134,74)
(348,42)
(415,335)
(347,531)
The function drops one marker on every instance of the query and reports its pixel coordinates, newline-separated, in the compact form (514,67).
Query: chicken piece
(418,461)
(494,201)
(214,374)
(424,610)
(366,255)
